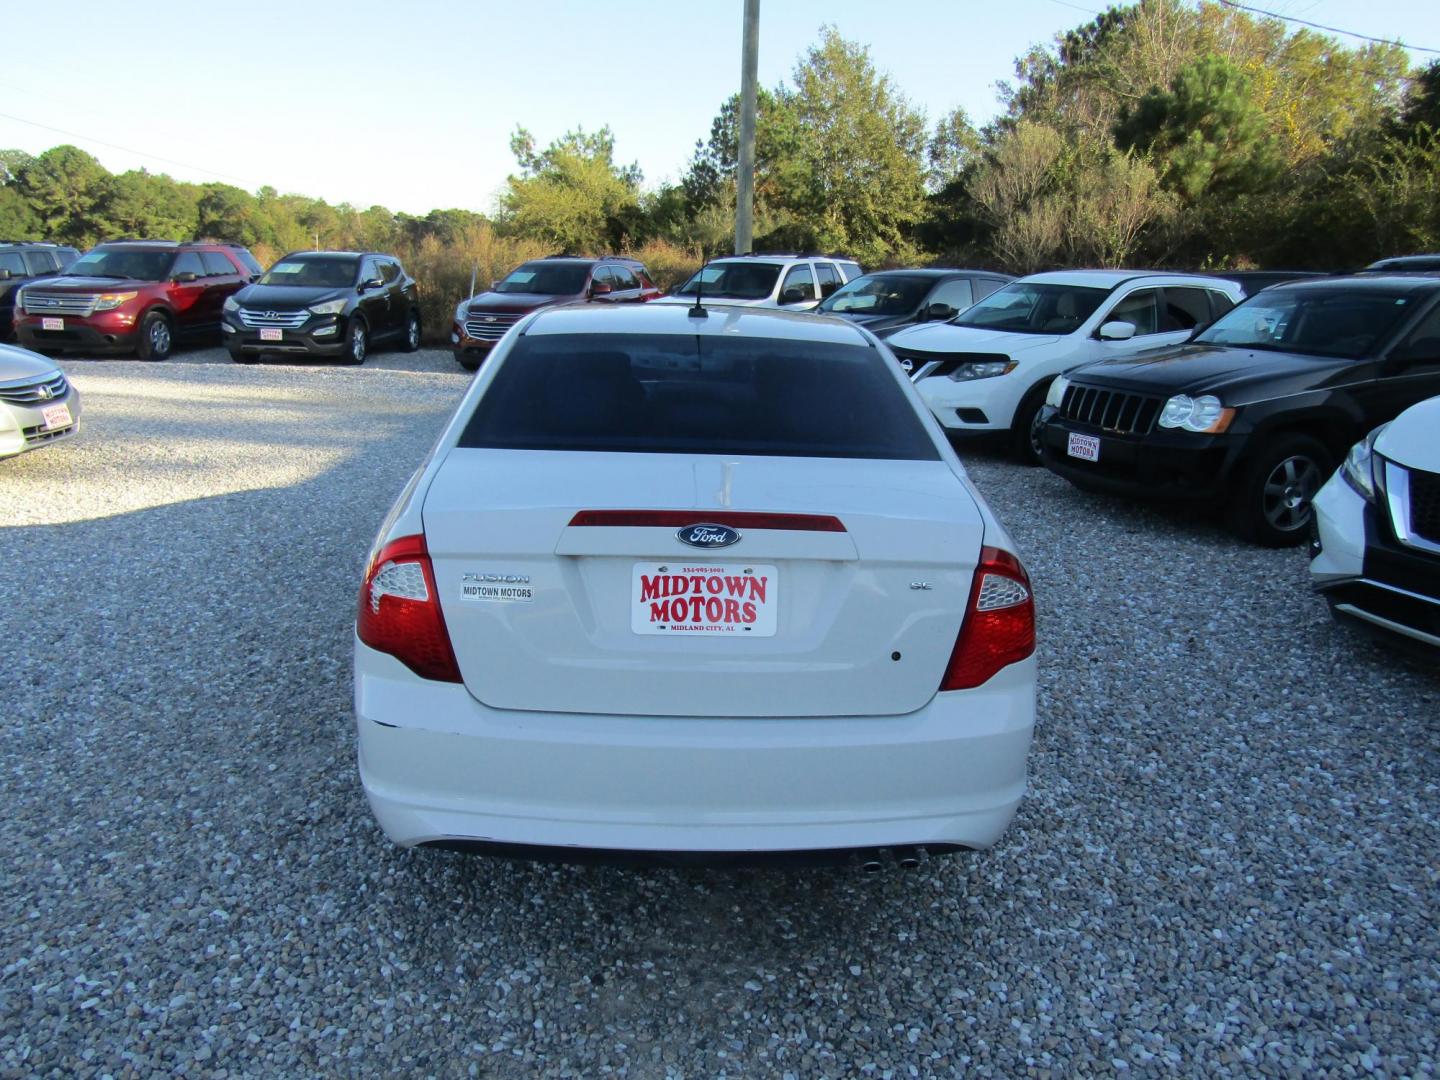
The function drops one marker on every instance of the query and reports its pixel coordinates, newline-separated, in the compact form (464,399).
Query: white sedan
(38,406)
(690,584)
(1376,552)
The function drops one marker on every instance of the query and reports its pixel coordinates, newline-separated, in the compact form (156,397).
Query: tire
(357,342)
(1025,427)
(157,337)
(467,362)
(1271,504)
(411,340)
(242,357)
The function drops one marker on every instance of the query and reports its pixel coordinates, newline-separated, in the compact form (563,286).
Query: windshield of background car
(878,294)
(140,265)
(685,394)
(738,281)
(1028,308)
(1322,322)
(314,273)
(546,279)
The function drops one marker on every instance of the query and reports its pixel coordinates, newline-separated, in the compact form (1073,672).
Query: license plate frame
(272,333)
(1084,447)
(50,322)
(704,599)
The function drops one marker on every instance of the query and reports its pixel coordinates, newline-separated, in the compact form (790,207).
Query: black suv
(324,303)
(22,261)
(1258,408)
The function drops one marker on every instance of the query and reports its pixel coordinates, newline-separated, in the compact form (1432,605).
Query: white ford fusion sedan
(687,584)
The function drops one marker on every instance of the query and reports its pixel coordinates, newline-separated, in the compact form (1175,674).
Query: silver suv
(792,282)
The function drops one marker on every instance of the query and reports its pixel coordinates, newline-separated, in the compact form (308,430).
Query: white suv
(792,282)
(988,369)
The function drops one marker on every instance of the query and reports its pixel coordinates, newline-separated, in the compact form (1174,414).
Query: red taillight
(999,626)
(400,611)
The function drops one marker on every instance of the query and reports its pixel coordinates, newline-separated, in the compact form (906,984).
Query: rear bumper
(1161,465)
(439,767)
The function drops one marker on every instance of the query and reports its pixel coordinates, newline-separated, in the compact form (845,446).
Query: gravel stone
(1226,864)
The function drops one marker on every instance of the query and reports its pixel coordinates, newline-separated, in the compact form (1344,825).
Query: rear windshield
(1026,308)
(315,273)
(683,394)
(1321,322)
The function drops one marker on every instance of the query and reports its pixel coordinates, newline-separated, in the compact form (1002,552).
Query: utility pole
(745,171)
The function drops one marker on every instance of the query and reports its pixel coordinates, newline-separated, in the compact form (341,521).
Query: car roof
(1110,279)
(1371,282)
(742,321)
(934,272)
(1400,262)
(332,254)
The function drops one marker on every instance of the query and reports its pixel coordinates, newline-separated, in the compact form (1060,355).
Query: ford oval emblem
(707,536)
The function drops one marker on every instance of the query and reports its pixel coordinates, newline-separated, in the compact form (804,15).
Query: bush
(669,264)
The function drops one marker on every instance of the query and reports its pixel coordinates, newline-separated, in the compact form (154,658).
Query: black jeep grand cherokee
(1257,409)
(324,303)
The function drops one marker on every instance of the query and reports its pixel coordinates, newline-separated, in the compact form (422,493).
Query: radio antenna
(698,312)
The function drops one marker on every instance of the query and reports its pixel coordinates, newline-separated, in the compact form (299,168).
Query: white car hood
(17,365)
(708,301)
(1410,440)
(944,338)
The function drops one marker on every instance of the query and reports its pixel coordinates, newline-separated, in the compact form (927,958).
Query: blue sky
(410,103)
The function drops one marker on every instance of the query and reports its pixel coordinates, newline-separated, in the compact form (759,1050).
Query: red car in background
(482,320)
(140,296)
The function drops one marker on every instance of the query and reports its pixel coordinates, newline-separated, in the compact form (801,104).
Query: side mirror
(940,312)
(186,278)
(4,275)
(494,285)
(601,288)
(793,295)
(1117,331)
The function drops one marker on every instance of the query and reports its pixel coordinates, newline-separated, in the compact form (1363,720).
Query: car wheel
(357,342)
(1272,503)
(242,357)
(1026,429)
(412,332)
(156,337)
(469,363)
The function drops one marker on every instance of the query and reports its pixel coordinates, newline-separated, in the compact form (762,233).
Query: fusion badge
(509,588)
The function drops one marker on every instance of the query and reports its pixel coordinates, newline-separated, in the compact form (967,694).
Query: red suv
(482,320)
(134,295)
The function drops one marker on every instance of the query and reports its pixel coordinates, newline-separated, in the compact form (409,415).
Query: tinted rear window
(689,395)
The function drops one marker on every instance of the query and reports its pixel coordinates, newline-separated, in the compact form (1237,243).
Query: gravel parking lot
(1228,861)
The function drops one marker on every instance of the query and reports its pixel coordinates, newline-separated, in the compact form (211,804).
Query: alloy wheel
(1288,491)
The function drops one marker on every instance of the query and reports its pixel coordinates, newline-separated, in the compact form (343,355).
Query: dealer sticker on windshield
(733,599)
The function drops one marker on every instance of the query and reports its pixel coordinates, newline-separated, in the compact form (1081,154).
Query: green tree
(139,204)
(572,195)
(1206,131)
(17,220)
(65,188)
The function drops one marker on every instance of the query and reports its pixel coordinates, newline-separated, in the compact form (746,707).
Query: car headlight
(1359,468)
(19,300)
(982,369)
(1056,394)
(461,310)
(110,301)
(329,307)
(231,305)
(1202,414)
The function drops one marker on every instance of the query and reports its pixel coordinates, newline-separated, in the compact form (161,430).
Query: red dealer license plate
(1085,447)
(271,333)
(730,599)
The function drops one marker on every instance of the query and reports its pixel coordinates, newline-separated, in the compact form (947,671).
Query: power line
(129,150)
(1327,29)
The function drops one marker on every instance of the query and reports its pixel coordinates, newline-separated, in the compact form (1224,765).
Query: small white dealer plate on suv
(683,586)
